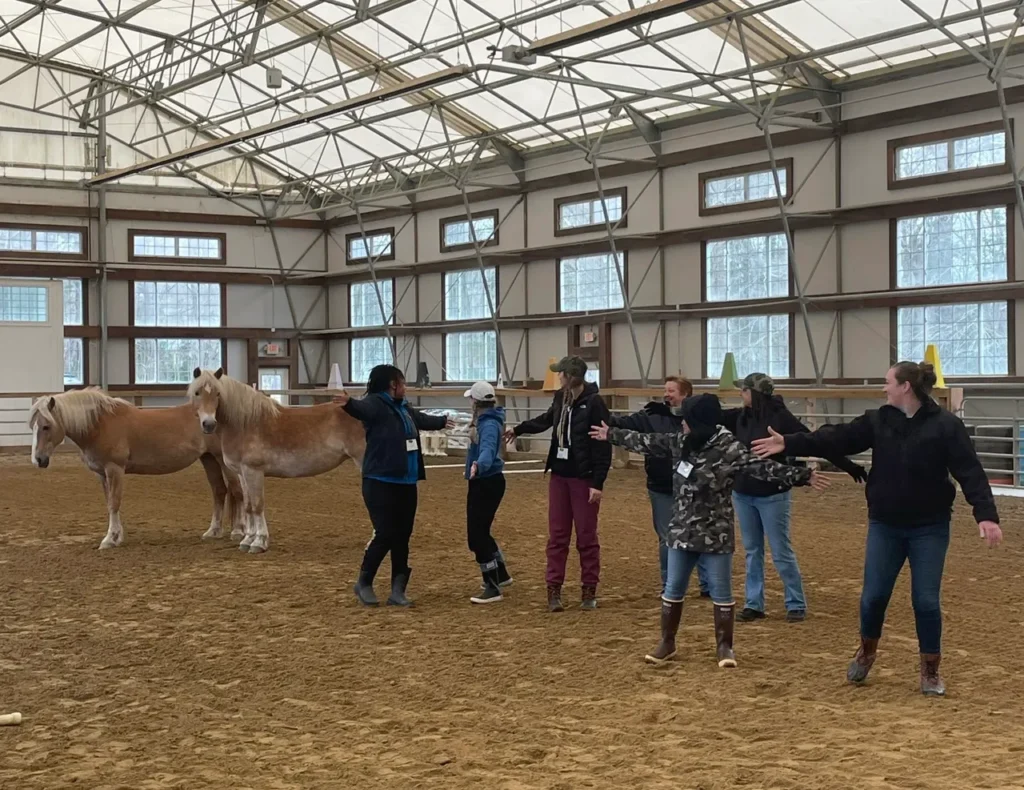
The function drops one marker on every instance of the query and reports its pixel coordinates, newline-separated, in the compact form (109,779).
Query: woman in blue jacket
(392,466)
(486,489)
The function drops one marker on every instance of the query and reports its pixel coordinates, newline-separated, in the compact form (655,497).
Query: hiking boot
(363,589)
(749,615)
(670,616)
(725,617)
(796,615)
(491,590)
(931,681)
(398,585)
(588,597)
(555,598)
(862,662)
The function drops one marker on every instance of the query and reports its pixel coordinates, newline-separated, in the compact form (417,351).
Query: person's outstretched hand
(819,482)
(600,432)
(859,473)
(774,444)
(340,398)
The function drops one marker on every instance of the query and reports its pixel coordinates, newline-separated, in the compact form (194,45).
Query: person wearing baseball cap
(763,507)
(579,467)
(486,489)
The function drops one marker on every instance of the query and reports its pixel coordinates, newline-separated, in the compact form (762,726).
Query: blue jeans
(768,516)
(719,574)
(887,549)
(662,507)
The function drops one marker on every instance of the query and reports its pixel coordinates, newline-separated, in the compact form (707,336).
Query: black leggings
(482,503)
(392,508)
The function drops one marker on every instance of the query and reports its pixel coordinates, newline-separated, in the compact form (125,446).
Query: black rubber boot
(398,585)
(364,589)
(491,591)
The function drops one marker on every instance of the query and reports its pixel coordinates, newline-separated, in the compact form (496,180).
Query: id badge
(410,446)
(562,454)
(684,468)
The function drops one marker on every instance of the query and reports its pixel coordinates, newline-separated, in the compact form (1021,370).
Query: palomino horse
(116,438)
(259,437)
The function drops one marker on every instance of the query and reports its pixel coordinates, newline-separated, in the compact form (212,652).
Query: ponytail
(920,375)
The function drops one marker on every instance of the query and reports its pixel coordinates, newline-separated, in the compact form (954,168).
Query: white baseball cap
(481,391)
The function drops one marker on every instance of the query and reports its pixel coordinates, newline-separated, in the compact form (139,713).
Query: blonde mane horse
(261,438)
(116,439)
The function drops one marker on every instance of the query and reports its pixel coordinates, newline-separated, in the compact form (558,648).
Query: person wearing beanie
(915,446)
(579,467)
(484,471)
(707,458)
(763,508)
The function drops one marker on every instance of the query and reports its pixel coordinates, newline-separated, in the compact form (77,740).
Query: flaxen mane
(77,411)
(240,405)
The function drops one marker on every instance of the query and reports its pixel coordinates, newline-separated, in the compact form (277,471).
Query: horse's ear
(52,404)
(195,373)
(219,373)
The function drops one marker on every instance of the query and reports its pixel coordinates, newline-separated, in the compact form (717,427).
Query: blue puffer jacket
(489,425)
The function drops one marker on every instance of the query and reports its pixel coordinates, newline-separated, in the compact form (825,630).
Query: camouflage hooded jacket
(702,519)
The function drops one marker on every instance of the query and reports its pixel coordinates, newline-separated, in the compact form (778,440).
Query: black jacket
(592,459)
(655,417)
(911,461)
(386,455)
(747,426)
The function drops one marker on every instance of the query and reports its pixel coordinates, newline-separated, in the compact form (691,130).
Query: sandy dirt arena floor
(170,662)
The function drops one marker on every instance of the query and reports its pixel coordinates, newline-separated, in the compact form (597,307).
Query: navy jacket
(911,461)
(485,453)
(386,455)
(655,417)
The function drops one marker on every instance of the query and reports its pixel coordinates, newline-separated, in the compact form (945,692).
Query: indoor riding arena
(234,233)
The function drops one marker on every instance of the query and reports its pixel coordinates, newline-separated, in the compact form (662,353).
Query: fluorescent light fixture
(613,24)
(355,103)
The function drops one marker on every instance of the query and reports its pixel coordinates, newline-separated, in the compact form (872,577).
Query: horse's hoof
(237,536)
(254,549)
(211,536)
(243,547)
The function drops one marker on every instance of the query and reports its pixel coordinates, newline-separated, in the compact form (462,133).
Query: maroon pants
(568,504)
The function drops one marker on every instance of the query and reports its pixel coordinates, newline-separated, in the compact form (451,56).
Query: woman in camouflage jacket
(707,457)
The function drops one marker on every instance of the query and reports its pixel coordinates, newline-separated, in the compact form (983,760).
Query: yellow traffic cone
(550,377)
(931,354)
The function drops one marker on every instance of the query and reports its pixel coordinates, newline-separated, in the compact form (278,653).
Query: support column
(101,240)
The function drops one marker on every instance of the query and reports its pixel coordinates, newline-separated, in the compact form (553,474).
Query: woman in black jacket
(579,466)
(763,508)
(915,446)
(392,466)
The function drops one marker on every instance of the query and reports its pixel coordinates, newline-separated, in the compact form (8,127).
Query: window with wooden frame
(471,356)
(43,241)
(758,343)
(187,307)
(378,244)
(364,304)
(591,282)
(973,339)
(458,233)
(746,267)
(75,361)
(949,155)
(364,354)
(165,246)
(588,213)
(744,188)
(465,296)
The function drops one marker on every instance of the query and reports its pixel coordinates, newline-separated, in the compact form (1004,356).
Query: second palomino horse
(117,438)
(261,438)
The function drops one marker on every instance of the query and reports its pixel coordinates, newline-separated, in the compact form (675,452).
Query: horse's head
(47,430)
(204,392)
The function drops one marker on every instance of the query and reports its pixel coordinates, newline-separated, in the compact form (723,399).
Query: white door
(274,379)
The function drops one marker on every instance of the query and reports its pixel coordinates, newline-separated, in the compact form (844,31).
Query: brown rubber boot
(588,597)
(931,681)
(725,619)
(555,598)
(862,662)
(670,616)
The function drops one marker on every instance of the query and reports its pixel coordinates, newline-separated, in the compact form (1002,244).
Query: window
(972,338)
(172,360)
(177,304)
(41,242)
(951,155)
(152,245)
(365,353)
(379,242)
(952,249)
(591,282)
(759,344)
(584,213)
(458,233)
(471,356)
(744,188)
(364,305)
(464,295)
(24,304)
(74,347)
(751,267)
